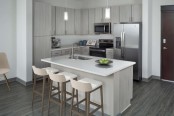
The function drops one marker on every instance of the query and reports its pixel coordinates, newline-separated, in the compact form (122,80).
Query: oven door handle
(97,50)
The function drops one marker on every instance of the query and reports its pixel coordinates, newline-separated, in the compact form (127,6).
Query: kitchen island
(117,79)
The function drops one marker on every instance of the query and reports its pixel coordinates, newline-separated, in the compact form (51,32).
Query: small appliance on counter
(82,42)
(55,43)
(91,42)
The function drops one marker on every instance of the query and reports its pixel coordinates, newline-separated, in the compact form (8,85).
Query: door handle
(164,48)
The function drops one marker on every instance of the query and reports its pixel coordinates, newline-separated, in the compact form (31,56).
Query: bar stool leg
(101,94)
(72,102)
(58,86)
(43,92)
(77,98)
(87,96)
(62,99)
(34,85)
(7,82)
(51,84)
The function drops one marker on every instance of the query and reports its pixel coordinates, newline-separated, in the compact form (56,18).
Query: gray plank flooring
(155,98)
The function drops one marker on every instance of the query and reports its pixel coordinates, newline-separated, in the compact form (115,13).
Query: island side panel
(125,88)
(108,89)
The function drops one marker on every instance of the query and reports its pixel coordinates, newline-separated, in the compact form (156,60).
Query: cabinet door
(125,13)
(84,21)
(104,19)
(136,13)
(42,49)
(60,22)
(98,15)
(115,14)
(53,20)
(77,21)
(70,22)
(56,53)
(42,19)
(91,20)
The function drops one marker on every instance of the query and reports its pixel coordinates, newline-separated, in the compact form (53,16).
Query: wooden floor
(155,98)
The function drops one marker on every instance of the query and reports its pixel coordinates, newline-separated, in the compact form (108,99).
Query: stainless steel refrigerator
(128,45)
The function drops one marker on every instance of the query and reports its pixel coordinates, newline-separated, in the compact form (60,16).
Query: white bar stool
(61,79)
(41,72)
(88,86)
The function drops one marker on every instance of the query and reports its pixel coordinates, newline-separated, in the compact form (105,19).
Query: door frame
(164,8)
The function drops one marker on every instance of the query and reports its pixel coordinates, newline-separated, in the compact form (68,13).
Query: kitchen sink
(80,58)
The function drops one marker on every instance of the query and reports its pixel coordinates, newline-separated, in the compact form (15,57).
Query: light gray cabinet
(56,53)
(84,50)
(115,12)
(42,49)
(60,22)
(84,22)
(98,15)
(115,15)
(91,20)
(78,21)
(137,13)
(42,19)
(53,20)
(125,13)
(70,22)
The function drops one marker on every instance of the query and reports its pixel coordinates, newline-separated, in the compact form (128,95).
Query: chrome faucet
(72,51)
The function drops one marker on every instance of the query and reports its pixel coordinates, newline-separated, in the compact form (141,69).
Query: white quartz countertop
(89,66)
(67,47)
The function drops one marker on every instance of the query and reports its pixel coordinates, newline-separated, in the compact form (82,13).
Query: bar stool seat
(4,70)
(94,83)
(51,70)
(87,86)
(58,87)
(68,75)
(41,73)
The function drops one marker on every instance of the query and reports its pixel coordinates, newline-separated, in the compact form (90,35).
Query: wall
(8,33)
(156,34)
(24,39)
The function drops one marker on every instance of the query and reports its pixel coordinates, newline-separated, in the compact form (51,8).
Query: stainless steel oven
(100,51)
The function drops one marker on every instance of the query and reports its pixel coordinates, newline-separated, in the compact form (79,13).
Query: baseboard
(9,80)
(150,78)
(23,82)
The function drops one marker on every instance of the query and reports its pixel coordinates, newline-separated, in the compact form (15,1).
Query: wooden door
(167,43)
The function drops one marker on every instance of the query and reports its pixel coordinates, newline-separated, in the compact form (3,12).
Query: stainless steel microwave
(102,28)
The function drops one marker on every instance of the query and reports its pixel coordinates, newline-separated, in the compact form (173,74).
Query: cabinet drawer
(66,51)
(76,50)
(56,53)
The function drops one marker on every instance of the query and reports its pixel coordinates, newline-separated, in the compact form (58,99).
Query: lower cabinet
(84,50)
(42,49)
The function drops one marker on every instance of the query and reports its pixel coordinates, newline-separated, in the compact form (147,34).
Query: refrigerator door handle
(122,44)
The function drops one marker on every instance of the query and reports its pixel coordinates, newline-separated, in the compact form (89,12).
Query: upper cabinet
(91,20)
(115,14)
(98,15)
(84,22)
(77,21)
(60,22)
(70,22)
(125,13)
(131,13)
(42,19)
(53,20)
(137,13)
